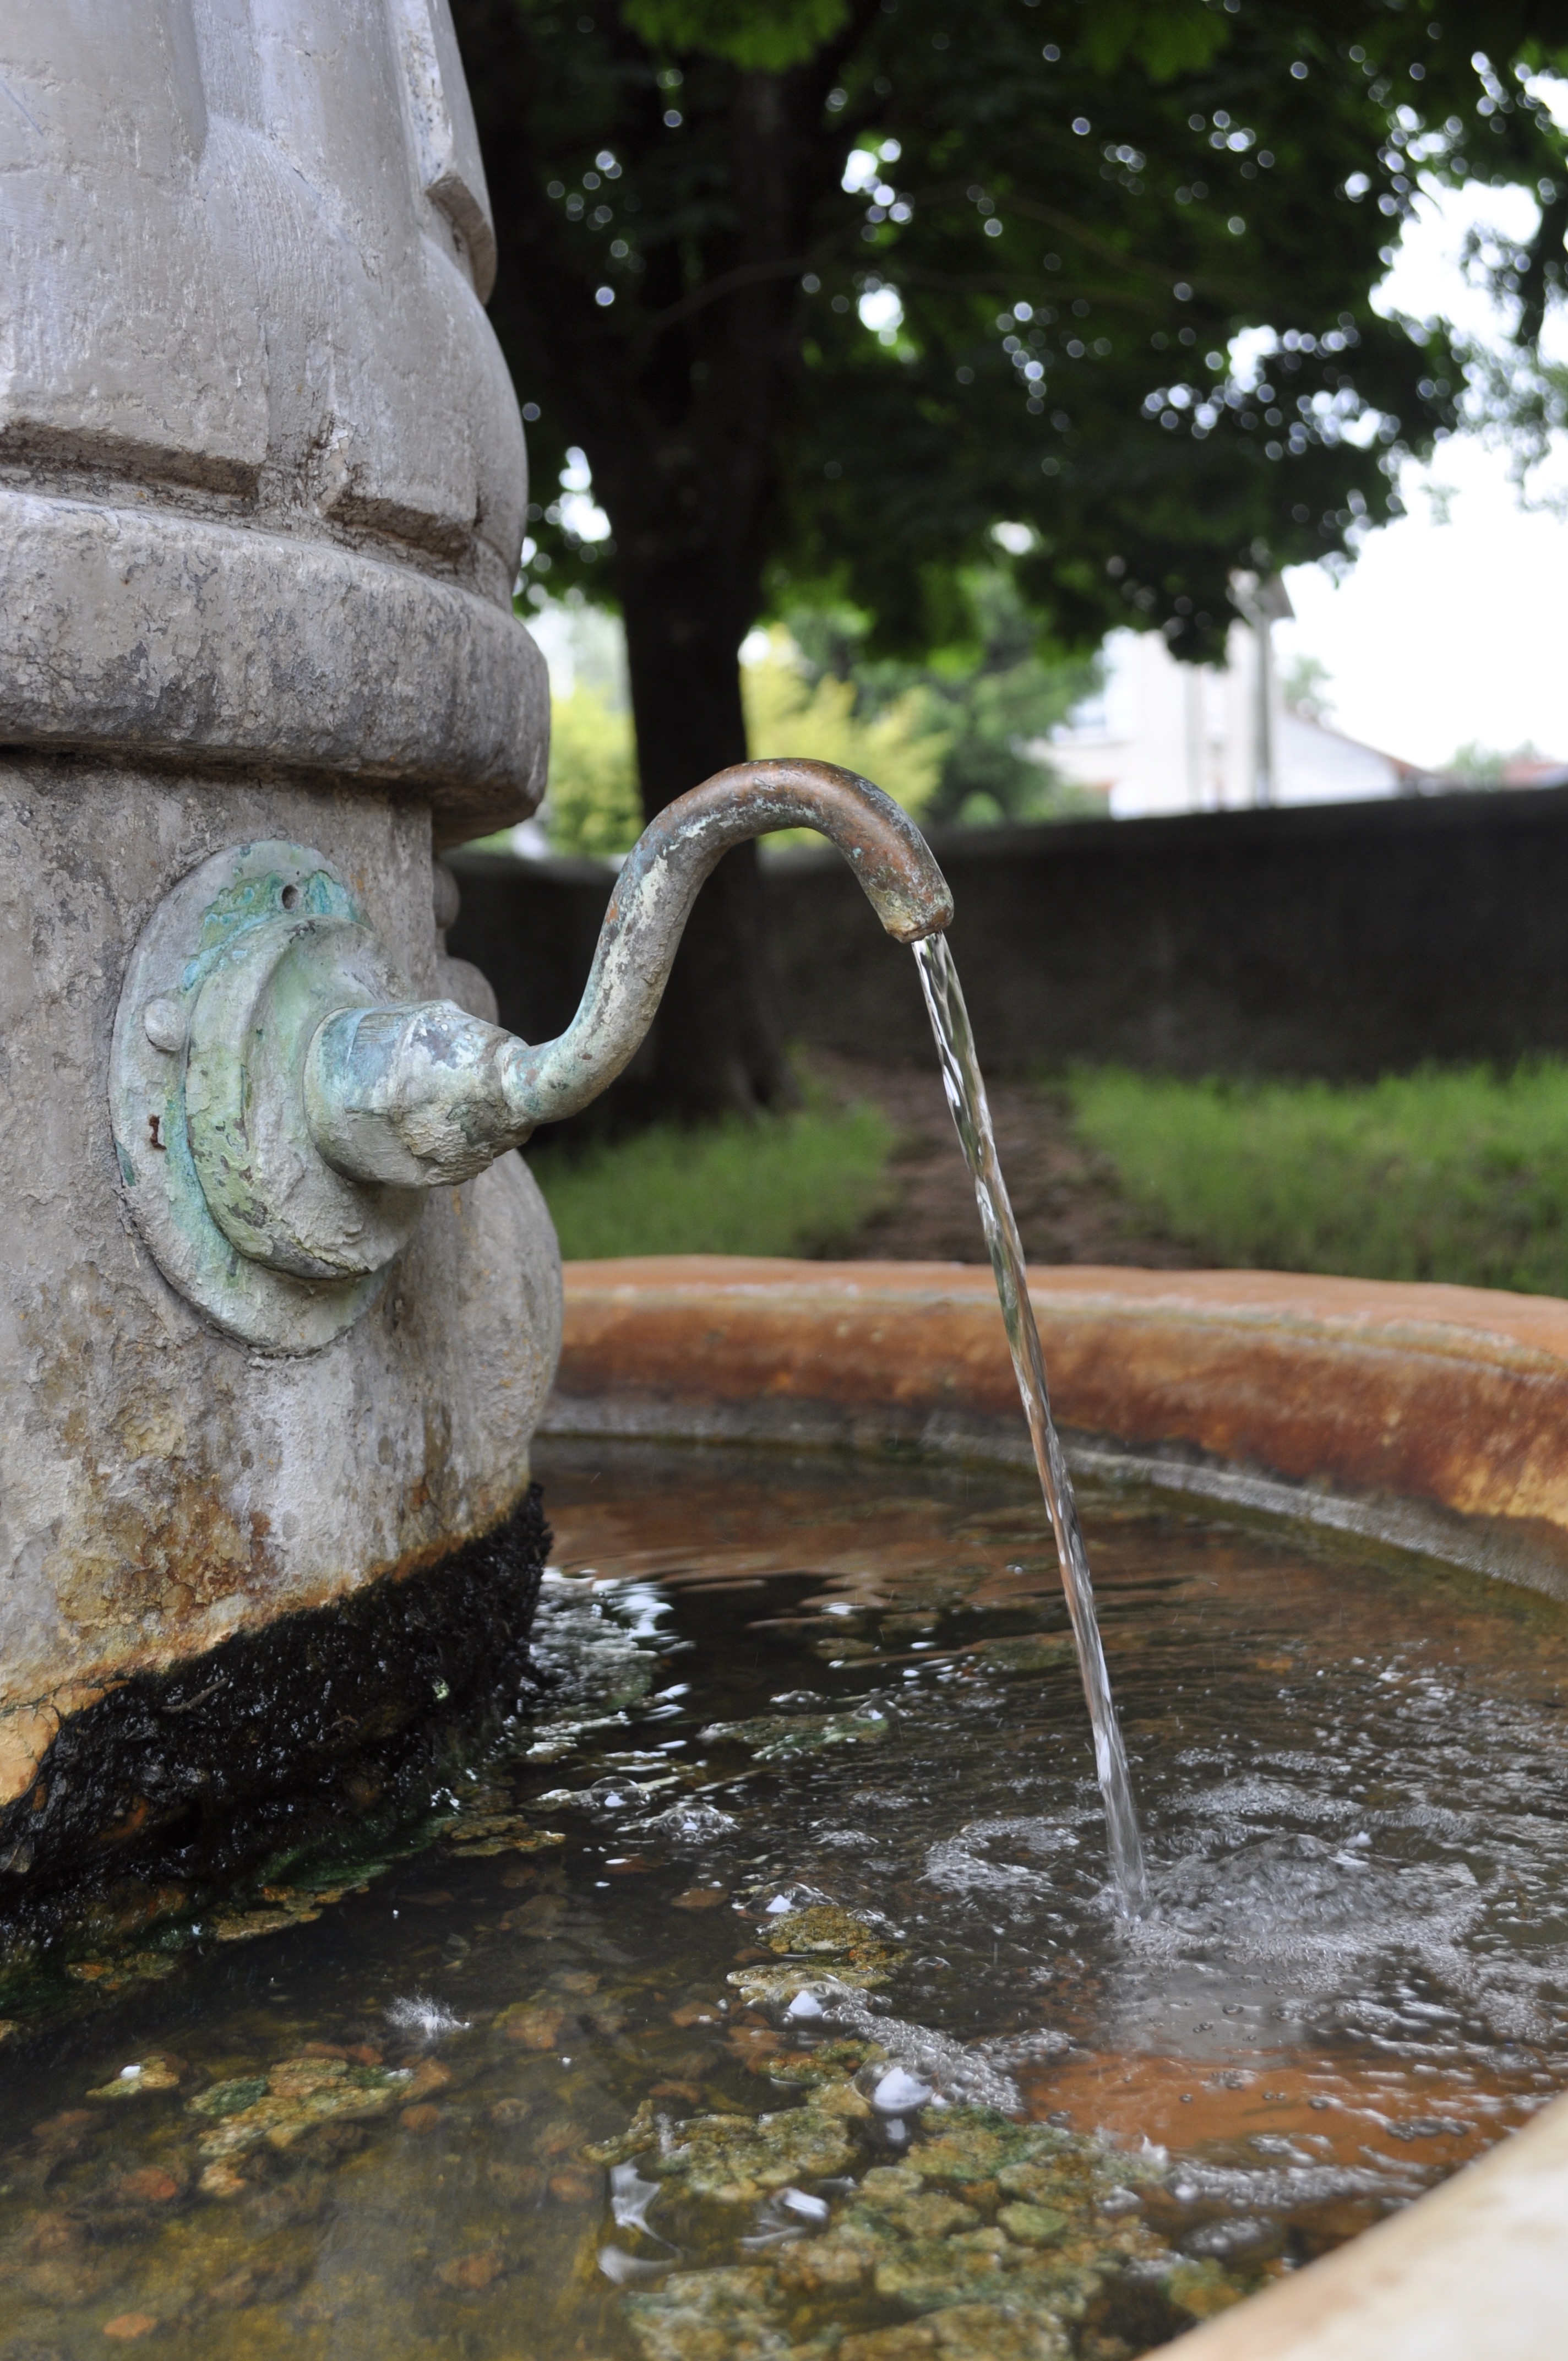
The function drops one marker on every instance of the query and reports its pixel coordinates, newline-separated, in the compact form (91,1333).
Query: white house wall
(1169,737)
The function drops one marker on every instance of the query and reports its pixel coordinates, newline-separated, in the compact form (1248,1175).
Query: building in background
(1160,737)
(1169,736)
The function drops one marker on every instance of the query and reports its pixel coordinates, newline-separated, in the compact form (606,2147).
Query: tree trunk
(717,1046)
(677,396)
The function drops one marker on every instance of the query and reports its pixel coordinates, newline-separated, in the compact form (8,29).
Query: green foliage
(1306,685)
(1441,1175)
(761,36)
(990,701)
(591,805)
(780,1185)
(1486,766)
(1078,205)
(1478,765)
(1166,37)
(791,709)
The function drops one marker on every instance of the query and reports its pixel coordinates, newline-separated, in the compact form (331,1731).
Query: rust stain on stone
(1453,1397)
(147,1543)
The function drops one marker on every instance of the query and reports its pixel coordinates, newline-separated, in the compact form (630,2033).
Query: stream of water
(965,1087)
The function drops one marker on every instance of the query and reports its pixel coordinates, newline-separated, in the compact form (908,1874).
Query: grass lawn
(795,1184)
(1451,1175)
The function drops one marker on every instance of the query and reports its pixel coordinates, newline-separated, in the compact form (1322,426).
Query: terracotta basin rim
(1428,1418)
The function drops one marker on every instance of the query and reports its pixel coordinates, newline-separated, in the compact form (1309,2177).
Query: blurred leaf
(988,702)
(1167,37)
(900,747)
(591,806)
(761,37)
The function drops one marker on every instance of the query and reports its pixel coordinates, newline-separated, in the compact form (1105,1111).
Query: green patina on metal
(217,939)
(269,1048)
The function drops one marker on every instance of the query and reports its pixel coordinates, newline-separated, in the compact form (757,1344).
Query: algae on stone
(1026,1652)
(149,2074)
(245,1926)
(291,2099)
(803,2069)
(113,1975)
(738,2159)
(725,2314)
(774,1738)
(851,1954)
(967,2331)
(486,1834)
(989,2236)
(1032,2225)
(1202,2288)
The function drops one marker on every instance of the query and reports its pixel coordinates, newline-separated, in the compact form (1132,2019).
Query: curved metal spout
(666,869)
(427,1096)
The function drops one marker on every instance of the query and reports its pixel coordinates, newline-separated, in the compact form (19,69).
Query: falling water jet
(965,1087)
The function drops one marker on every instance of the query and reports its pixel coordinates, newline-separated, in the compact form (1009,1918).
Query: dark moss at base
(326,1726)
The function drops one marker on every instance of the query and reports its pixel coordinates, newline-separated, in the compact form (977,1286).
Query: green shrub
(900,748)
(1439,1175)
(782,1185)
(592,805)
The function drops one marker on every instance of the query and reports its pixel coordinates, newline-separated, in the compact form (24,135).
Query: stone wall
(1346,939)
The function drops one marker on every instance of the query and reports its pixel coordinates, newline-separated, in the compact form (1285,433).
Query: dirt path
(1066,1197)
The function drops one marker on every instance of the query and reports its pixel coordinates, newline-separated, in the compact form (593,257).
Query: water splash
(425,2020)
(965,1087)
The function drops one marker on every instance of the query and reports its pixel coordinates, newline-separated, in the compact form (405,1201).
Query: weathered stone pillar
(262,486)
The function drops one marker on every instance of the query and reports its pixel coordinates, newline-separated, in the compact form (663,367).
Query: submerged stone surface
(1037,2281)
(292,2099)
(987,2237)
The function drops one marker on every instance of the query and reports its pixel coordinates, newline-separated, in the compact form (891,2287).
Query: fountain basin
(1430,1418)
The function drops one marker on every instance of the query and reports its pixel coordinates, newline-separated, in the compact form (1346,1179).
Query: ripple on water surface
(763,1994)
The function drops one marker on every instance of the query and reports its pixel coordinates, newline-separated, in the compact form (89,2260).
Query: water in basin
(766,1993)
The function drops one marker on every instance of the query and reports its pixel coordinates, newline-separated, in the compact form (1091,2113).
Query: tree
(826,289)
(991,701)
(1306,689)
(796,706)
(892,733)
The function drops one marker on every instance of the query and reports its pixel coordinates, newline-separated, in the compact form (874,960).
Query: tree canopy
(827,290)
(1058,219)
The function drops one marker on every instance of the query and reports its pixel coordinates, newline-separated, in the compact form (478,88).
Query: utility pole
(1196,717)
(1262,601)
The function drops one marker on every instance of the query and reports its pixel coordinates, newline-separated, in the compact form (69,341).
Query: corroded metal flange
(280,1106)
(233,974)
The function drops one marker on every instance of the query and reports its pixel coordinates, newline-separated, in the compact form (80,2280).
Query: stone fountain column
(262,486)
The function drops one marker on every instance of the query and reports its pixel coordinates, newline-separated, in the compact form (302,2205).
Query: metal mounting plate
(196,931)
